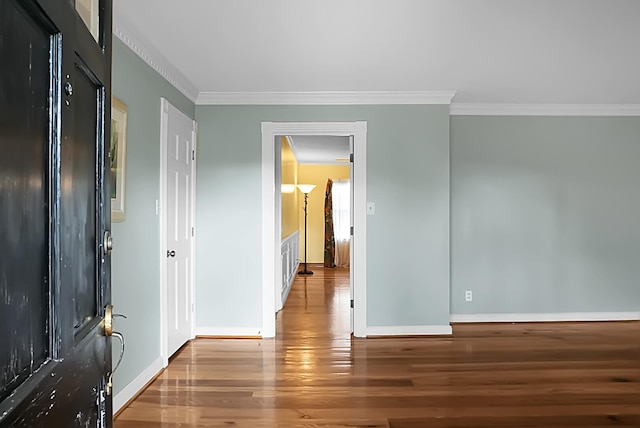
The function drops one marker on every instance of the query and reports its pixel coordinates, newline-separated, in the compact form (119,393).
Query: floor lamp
(306,189)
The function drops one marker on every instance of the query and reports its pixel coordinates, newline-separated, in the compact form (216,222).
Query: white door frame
(161,209)
(272,227)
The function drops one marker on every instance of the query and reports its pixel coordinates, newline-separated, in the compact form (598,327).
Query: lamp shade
(306,188)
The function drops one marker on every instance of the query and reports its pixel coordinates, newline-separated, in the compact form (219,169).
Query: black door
(55,92)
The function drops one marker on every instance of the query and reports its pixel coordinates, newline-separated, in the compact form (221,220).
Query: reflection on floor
(314,375)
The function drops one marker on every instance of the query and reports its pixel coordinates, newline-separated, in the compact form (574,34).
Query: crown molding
(139,45)
(462,109)
(325,98)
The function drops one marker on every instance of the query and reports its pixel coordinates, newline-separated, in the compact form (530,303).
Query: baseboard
(228,332)
(129,392)
(546,317)
(409,330)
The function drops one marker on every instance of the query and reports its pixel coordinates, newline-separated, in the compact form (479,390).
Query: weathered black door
(55,72)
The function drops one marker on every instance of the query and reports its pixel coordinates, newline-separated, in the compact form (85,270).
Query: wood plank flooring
(314,375)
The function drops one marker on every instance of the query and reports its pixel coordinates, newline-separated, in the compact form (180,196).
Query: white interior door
(351,219)
(180,150)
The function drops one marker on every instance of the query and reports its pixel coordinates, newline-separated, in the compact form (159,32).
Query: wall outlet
(468,296)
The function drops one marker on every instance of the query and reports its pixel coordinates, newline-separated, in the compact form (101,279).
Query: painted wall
(407,239)
(135,276)
(290,199)
(318,175)
(545,214)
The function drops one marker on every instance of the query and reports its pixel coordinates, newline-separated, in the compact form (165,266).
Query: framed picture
(118,157)
(89,11)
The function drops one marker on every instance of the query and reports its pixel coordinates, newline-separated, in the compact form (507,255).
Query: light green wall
(407,238)
(545,214)
(135,260)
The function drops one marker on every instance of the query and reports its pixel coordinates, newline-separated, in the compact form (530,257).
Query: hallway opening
(317,307)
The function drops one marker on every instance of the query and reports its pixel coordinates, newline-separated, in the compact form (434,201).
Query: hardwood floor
(314,375)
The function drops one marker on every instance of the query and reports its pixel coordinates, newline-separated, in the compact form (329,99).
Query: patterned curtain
(329,238)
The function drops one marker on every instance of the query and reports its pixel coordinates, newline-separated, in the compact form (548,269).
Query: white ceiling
(320,149)
(488,51)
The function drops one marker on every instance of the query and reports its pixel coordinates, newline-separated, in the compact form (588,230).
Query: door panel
(78,208)
(24,131)
(180,146)
(54,276)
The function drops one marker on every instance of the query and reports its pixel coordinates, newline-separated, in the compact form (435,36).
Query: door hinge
(351,303)
(351,158)
(351,231)
(193,231)
(193,155)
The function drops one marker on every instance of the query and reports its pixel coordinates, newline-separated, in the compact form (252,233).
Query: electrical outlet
(468,296)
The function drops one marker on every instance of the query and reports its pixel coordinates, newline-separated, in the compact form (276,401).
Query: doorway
(271,221)
(316,237)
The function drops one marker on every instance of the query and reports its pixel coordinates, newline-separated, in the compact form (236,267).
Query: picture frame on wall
(118,158)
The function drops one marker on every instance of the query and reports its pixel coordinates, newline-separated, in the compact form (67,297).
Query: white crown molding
(546,317)
(325,98)
(138,44)
(462,109)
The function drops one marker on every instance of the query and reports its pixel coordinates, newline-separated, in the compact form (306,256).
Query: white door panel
(180,154)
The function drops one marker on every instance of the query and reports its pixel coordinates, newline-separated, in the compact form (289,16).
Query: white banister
(289,251)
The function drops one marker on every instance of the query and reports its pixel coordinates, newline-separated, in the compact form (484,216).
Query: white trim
(164,135)
(462,109)
(547,317)
(409,330)
(228,331)
(164,129)
(277,210)
(136,385)
(126,32)
(325,98)
(194,235)
(271,227)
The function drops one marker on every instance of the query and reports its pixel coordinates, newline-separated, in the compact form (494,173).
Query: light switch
(371,208)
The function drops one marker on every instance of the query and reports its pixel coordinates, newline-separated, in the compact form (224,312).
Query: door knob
(171,253)
(107,243)
(107,327)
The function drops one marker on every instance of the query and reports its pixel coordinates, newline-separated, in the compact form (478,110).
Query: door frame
(271,212)
(161,209)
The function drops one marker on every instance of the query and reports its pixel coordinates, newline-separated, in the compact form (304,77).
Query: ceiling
(320,149)
(487,51)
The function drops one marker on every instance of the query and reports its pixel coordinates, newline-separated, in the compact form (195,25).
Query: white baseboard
(547,317)
(409,330)
(229,331)
(130,391)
